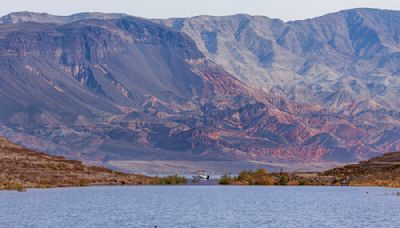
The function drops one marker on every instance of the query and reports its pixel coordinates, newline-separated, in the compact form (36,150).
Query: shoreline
(25,169)
(198,185)
(234,186)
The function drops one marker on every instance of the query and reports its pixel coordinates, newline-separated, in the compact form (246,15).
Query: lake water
(201,206)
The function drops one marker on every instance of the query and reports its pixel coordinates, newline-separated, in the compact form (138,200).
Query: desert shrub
(43,184)
(259,177)
(283,179)
(15,186)
(261,172)
(82,183)
(226,180)
(170,180)
(246,177)
(303,182)
(264,180)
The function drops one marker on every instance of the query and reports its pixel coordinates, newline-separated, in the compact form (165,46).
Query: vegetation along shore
(380,171)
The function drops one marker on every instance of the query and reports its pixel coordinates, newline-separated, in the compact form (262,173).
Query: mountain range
(346,60)
(101,87)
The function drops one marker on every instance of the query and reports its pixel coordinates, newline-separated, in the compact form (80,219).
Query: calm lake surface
(201,206)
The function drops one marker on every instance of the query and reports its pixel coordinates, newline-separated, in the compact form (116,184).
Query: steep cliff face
(127,88)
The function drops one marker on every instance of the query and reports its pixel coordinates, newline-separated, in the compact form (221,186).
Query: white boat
(201,175)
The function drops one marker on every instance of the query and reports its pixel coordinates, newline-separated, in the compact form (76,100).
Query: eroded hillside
(23,168)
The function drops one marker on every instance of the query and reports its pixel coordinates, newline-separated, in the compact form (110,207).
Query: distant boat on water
(201,175)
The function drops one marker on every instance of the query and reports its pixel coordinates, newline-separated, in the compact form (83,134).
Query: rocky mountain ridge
(26,16)
(347,61)
(125,88)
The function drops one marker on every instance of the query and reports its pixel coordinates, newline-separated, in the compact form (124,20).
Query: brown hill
(383,170)
(22,168)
